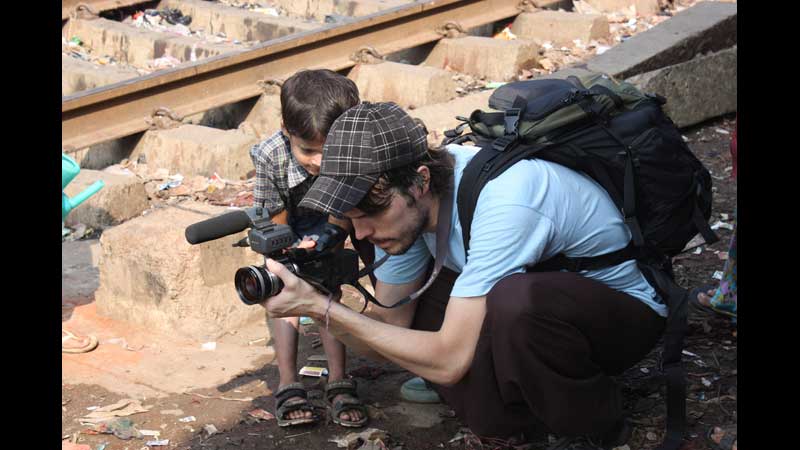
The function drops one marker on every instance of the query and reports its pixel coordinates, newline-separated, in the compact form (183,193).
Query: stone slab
(265,117)
(150,276)
(237,23)
(494,59)
(560,27)
(643,7)
(78,75)
(318,9)
(122,198)
(696,90)
(197,150)
(407,85)
(705,27)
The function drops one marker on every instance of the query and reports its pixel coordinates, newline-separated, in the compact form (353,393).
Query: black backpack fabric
(622,139)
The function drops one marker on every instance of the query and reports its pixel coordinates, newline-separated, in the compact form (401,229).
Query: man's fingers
(288,278)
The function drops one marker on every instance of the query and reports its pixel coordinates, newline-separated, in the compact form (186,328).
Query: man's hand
(297,298)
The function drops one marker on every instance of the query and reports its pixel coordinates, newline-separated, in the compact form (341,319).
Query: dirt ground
(711,366)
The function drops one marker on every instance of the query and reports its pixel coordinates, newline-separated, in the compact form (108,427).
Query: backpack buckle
(503,143)
(511,118)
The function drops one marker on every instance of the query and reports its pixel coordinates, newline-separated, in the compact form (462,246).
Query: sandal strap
(289,391)
(341,387)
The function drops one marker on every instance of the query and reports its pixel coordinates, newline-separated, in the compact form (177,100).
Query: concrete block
(122,198)
(705,27)
(265,117)
(150,276)
(696,90)
(560,27)
(643,7)
(494,59)
(236,23)
(78,75)
(318,9)
(125,43)
(197,150)
(408,86)
(138,46)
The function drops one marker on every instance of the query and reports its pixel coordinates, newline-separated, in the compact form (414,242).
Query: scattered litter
(706,382)
(460,435)
(721,131)
(268,11)
(494,84)
(153,433)
(688,353)
(122,428)
(124,407)
(697,251)
(257,340)
(322,358)
(160,443)
(210,430)
(209,346)
(547,45)
(685,139)
(102,446)
(506,34)
(717,275)
(313,371)
(602,49)
(651,436)
(721,224)
(245,399)
(722,255)
(92,408)
(351,440)
(306,321)
(261,414)
(723,216)
(169,184)
(172,412)
(187,419)
(644,369)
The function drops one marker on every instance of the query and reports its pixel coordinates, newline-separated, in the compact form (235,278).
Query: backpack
(622,139)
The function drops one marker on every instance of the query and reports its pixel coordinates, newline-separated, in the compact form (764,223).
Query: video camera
(326,266)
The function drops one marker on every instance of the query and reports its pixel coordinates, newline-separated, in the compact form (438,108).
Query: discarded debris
(720,224)
(172,412)
(717,275)
(122,428)
(306,321)
(208,346)
(187,419)
(261,414)
(460,435)
(160,443)
(122,408)
(355,440)
(210,430)
(310,371)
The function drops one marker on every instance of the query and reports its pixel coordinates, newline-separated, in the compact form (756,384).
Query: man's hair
(440,164)
(311,100)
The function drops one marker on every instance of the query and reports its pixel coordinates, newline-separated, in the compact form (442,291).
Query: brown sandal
(348,401)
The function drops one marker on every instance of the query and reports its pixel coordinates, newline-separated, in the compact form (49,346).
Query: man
(511,351)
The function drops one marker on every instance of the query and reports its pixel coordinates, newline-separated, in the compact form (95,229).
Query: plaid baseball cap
(365,141)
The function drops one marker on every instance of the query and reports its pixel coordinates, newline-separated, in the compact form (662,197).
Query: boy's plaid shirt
(280,181)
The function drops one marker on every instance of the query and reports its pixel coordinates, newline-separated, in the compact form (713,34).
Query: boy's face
(307,153)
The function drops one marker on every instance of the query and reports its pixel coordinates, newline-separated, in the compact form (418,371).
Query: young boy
(287,164)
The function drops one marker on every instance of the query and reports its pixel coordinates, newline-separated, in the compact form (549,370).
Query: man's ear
(426,177)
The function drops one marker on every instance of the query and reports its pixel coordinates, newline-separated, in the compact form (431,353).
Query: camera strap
(443,225)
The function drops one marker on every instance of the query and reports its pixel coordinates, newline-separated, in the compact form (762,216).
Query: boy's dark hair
(312,99)
(440,164)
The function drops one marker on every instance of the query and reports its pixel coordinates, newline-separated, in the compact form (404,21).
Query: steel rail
(118,110)
(68,6)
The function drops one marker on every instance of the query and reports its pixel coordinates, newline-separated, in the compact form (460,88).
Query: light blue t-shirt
(531,212)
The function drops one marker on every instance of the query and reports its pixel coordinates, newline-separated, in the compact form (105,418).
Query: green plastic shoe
(416,391)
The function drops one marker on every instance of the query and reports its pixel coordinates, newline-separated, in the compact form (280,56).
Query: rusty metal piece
(118,110)
(527,6)
(367,55)
(270,86)
(84,11)
(451,29)
(163,118)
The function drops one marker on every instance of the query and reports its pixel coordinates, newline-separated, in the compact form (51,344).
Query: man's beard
(410,234)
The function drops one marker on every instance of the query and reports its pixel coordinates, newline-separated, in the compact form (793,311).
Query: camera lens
(254,284)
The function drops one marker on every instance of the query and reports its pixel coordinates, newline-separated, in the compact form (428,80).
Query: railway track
(118,109)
